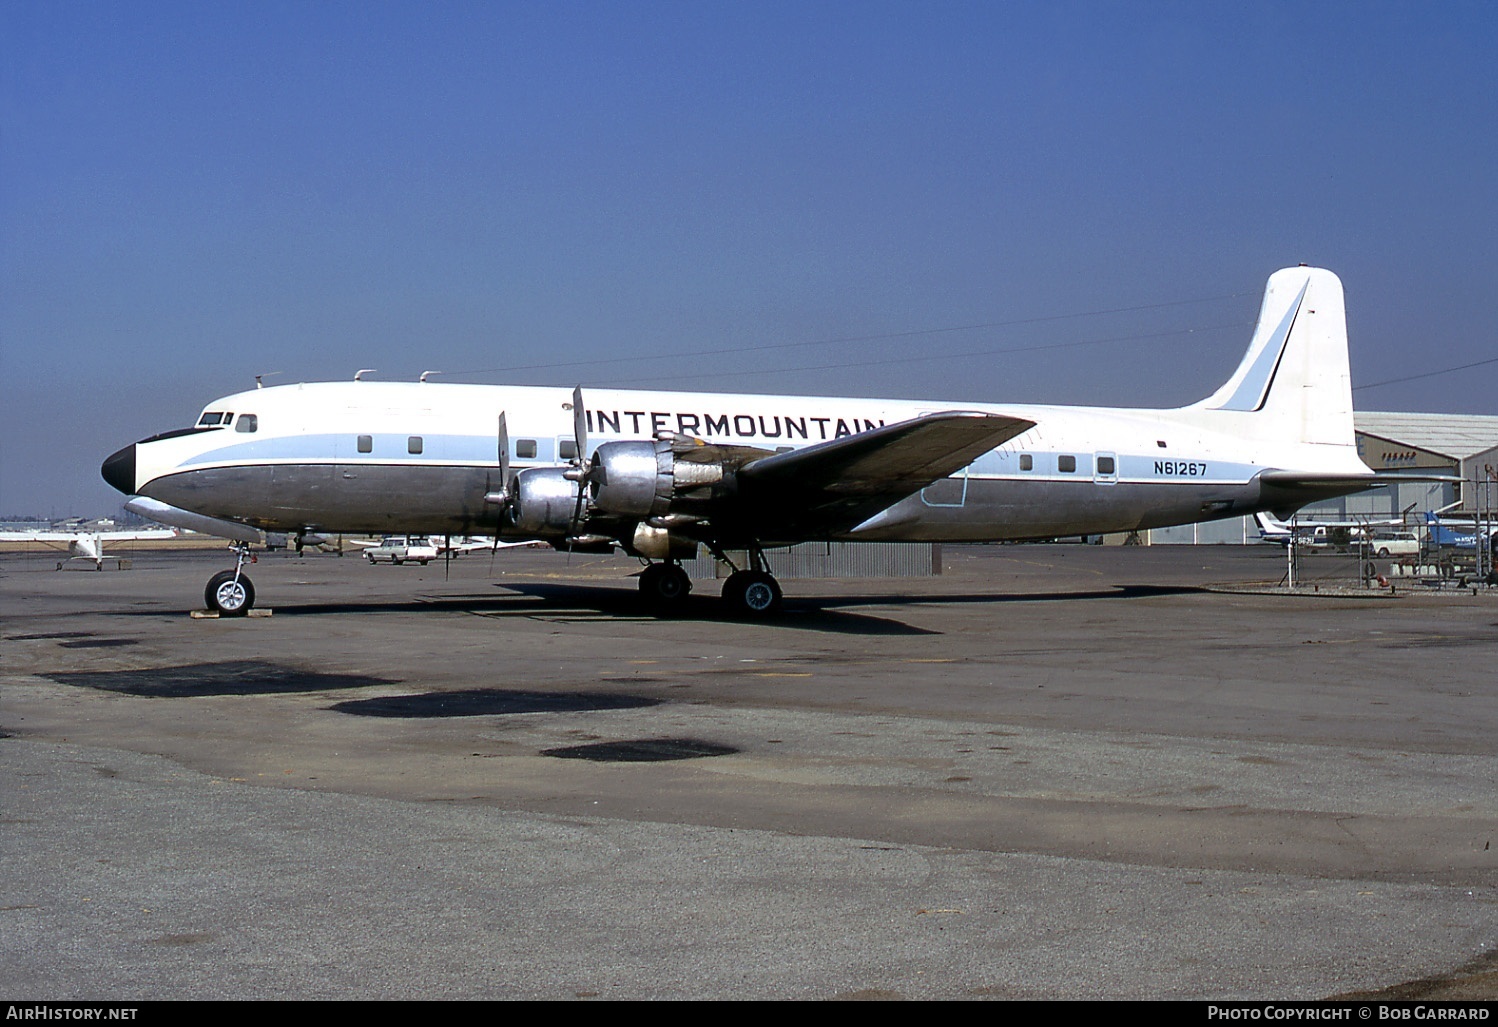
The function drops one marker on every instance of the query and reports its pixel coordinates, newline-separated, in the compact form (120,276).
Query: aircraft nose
(119,470)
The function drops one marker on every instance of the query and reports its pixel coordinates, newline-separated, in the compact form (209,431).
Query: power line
(913,333)
(924,357)
(1427,374)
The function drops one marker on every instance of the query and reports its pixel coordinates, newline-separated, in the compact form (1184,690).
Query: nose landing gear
(231,593)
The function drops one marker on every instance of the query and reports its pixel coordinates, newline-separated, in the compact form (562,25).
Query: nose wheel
(231,592)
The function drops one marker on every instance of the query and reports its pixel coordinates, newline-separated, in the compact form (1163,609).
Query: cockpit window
(211,418)
(247,422)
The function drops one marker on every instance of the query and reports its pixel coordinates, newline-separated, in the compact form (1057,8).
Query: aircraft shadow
(984,598)
(822,613)
(798,614)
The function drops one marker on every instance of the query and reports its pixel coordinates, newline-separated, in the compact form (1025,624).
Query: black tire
(752,594)
(1383,554)
(229,597)
(665,585)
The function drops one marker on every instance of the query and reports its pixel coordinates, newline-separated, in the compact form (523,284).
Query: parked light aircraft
(1320,532)
(1455,534)
(658,474)
(85,545)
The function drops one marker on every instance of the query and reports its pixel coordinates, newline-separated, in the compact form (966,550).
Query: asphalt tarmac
(1052,772)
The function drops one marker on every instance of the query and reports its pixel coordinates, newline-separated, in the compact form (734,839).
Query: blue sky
(802,197)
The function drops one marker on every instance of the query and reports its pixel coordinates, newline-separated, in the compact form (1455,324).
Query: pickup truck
(397,549)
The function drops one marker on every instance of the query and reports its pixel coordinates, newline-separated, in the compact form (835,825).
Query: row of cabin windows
(1068,464)
(413,444)
(525,449)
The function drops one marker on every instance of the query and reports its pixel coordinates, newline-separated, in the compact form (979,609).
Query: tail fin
(1271,527)
(1294,384)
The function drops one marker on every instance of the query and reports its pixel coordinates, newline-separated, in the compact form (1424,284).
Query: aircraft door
(1105,468)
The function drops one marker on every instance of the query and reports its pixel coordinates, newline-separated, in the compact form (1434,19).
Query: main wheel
(231,597)
(752,594)
(665,584)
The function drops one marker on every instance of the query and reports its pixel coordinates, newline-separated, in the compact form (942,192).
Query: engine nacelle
(544,501)
(661,544)
(640,480)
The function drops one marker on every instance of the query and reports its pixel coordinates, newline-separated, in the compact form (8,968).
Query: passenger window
(568,449)
(1026,462)
(525,449)
(1066,464)
(413,444)
(1105,465)
(366,443)
(247,422)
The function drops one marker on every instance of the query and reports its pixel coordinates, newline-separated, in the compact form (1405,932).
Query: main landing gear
(230,592)
(751,593)
(665,585)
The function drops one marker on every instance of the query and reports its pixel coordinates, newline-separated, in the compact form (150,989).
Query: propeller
(504,459)
(503,496)
(579,471)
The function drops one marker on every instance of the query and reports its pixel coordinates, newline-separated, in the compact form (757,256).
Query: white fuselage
(421,457)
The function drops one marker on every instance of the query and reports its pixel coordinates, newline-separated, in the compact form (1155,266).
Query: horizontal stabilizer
(1288,491)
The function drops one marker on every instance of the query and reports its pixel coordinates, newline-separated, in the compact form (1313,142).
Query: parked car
(397,549)
(1385,544)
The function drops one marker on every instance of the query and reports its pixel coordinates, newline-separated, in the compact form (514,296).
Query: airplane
(1319,532)
(1277,532)
(87,546)
(657,474)
(1447,534)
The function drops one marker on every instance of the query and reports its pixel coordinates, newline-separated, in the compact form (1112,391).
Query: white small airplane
(87,546)
(1323,532)
(658,474)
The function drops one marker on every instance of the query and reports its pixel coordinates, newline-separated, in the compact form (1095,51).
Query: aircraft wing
(836,485)
(68,537)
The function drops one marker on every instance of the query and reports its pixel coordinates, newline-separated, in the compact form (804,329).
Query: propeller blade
(504,455)
(579,471)
(503,445)
(579,465)
(580,424)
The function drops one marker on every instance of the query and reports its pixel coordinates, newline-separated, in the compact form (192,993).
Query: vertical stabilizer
(1294,384)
